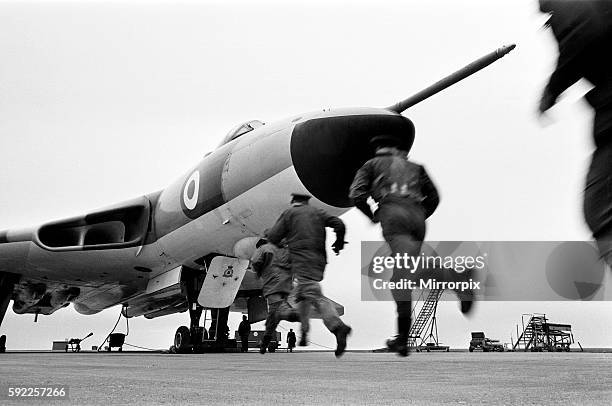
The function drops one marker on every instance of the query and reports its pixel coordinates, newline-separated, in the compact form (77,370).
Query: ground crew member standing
(406,197)
(291,340)
(303,227)
(583,30)
(244,329)
(272,265)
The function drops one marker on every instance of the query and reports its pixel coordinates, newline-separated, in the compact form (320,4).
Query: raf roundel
(191,191)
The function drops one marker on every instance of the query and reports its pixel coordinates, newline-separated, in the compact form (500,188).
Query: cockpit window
(241,130)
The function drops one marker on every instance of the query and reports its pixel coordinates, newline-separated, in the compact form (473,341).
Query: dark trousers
(598,198)
(308,267)
(244,341)
(403,227)
(309,295)
(278,309)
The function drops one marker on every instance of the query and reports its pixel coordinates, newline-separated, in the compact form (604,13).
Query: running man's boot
(341,333)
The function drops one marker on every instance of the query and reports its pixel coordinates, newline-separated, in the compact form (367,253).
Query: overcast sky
(104,101)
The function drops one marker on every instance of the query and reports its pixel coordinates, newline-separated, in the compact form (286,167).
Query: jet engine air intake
(327,152)
(113,228)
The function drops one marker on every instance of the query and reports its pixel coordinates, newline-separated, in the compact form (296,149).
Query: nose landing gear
(195,338)
(198,340)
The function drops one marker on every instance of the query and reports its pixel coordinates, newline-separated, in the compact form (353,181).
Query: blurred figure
(291,340)
(2,343)
(244,330)
(406,197)
(303,227)
(583,30)
(271,264)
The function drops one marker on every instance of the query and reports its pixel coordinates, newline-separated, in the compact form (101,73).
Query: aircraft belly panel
(103,298)
(13,256)
(167,280)
(120,265)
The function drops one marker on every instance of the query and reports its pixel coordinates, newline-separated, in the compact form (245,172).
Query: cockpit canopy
(241,130)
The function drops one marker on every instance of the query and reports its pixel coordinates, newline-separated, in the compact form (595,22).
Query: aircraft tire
(182,339)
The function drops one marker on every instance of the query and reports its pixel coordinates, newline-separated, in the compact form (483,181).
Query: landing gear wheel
(182,339)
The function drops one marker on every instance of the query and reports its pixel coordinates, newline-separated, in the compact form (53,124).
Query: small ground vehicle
(480,341)
(74,344)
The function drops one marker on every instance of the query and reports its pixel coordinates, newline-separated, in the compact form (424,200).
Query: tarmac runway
(314,378)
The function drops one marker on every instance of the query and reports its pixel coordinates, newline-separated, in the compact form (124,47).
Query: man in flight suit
(303,227)
(271,264)
(244,329)
(406,197)
(583,30)
(291,340)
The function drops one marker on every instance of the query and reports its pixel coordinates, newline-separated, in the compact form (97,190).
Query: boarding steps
(422,319)
(533,334)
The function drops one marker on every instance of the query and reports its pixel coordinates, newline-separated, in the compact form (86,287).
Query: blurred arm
(360,190)
(430,193)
